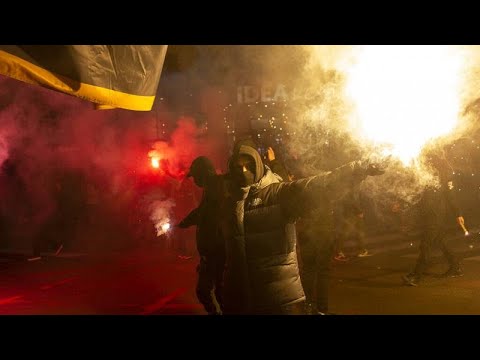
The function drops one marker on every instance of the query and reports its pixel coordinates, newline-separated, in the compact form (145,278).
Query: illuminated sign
(265,93)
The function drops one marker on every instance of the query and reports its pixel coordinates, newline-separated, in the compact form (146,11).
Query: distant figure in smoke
(14,207)
(350,224)
(210,242)
(262,274)
(62,226)
(438,207)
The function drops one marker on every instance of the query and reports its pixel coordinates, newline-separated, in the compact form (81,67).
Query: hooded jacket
(438,209)
(262,275)
(207,216)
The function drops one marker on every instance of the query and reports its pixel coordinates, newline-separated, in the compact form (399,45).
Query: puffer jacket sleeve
(332,185)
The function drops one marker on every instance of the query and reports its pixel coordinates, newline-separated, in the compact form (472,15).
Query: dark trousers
(433,239)
(210,283)
(316,251)
(55,232)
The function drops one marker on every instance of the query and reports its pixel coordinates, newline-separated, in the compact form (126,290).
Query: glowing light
(155,157)
(405,95)
(160,215)
(155,162)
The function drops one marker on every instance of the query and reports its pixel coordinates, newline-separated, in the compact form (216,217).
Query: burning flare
(405,95)
(155,162)
(160,215)
(165,227)
(155,158)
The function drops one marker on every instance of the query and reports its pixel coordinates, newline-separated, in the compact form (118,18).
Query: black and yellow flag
(112,76)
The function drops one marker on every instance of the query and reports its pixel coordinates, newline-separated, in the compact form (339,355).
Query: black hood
(253,153)
(246,142)
(201,167)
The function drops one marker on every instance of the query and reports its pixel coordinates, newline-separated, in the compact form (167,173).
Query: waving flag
(112,76)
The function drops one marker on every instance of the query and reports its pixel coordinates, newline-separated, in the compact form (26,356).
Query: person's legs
(454,269)
(205,287)
(37,246)
(218,268)
(423,260)
(42,239)
(66,229)
(308,271)
(324,253)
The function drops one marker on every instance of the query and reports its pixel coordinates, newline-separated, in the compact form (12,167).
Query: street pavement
(158,282)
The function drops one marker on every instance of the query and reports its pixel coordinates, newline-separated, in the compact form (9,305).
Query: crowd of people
(266,235)
(248,219)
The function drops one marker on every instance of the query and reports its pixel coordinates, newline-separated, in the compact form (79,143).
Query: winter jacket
(262,275)
(209,214)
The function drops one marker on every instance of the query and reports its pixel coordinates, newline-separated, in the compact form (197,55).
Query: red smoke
(43,133)
(187,142)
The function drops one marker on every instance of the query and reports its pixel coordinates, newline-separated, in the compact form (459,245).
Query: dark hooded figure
(262,275)
(210,244)
(437,209)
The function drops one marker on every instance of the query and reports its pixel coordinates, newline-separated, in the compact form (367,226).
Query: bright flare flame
(405,95)
(155,162)
(162,228)
(155,157)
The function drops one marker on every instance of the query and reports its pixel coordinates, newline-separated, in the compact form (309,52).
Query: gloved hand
(374,167)
(270,154)
(181,225)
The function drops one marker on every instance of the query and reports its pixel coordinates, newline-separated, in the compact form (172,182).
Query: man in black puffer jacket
(262,275)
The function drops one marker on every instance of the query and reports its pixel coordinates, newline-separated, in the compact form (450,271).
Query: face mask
(246,178)
(244,171)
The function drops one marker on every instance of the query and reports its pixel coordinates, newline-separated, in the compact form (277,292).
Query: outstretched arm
(190,219)
(331,185)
